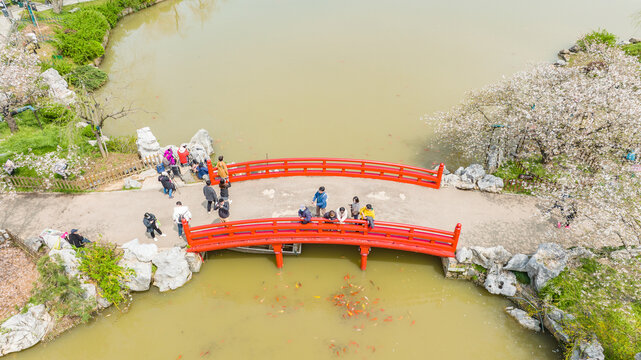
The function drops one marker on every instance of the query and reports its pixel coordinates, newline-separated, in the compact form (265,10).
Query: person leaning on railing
(367,213)
(304,214)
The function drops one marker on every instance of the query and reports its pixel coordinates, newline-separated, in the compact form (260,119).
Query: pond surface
(292,78)
(241,307)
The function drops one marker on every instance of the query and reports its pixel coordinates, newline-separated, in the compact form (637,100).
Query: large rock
(173,269)
(198,153)
(147,143)
(132,184)
(490,183)
(202,141)
(464,255)
(547,263)
(556,320)
(465,184)
(473,173)
(500,282)
(459,171)
(22,331)
(518,262)
(58,87)
(587,350)
(450,179)
(487,257)
(52,238)
(141,280)
(67,258)
(90,294)
(194,260)
(579,252)
(524,319)
(33,243)
(637,356)
(143,252)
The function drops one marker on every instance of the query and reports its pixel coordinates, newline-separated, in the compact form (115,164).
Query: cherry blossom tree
(19,81)
(578,120)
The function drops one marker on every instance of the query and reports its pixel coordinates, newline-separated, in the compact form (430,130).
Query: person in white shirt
(342,215)
(181,212)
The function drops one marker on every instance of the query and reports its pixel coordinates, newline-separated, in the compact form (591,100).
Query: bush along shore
(576,150)
(74,285)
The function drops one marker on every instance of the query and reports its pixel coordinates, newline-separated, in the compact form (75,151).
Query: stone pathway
(513,221)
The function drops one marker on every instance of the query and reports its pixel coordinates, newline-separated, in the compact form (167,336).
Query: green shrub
(55,113)
(58,291)
(522,277)
(123,144)
(110,10)
(63,66)
(597,37)
(81,35)
(100,262)
(633,50)
(32,140)
(88,76)
(87,132)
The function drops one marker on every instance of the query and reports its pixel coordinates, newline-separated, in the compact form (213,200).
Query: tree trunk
(56,6)
(13,126)
(99,142)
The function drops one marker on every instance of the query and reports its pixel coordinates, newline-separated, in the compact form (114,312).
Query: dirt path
(513,221)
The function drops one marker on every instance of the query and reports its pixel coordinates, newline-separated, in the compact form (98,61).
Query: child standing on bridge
(181,212)
(320,200)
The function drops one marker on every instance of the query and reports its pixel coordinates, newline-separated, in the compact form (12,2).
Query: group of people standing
(341,214)
(181,212)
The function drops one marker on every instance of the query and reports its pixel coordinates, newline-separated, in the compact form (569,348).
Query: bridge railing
(272,168)
(278,231)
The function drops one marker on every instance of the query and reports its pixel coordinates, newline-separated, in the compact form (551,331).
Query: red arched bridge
(271,168)
(278,231)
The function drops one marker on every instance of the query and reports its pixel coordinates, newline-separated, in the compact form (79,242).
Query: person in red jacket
(183,155)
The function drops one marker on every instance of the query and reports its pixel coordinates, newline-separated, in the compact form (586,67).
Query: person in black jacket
(224,189)
(304,214)
(150,223)
(210,195)
(223,209)
(76,239)
(168,186)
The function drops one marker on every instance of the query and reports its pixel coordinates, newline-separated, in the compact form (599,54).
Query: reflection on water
(330,78)
(240,306)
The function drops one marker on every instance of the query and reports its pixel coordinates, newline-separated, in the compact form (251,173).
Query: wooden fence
(83,183)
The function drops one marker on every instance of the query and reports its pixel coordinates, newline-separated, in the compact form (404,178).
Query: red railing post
(278,251)
(457,233)
(210,168)
(440,175)
(187,231)
(364,253)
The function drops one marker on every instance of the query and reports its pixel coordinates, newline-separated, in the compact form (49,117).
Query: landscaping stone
(94,142)
(464,255)
(450,179)
(518,262)
(473,173)
(459,171)
(621,255)
(81,124)
(22,331)
(141,280)
(587,350)
(201,145)
(524,319)
(500,282)
(58,87)
(575,48)
(560,62)
(634,40)
(33,243)
(173,269)
(464,184)
(143,252)
(547,263)
(68,258)
(90,293)
(487,257)
(637,356)
(490,183)
(555,320)
(52,239)
(147,143)
(132,184)
(579,252)
(195,261)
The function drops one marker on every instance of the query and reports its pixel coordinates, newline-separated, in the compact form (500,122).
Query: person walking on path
(355,207)
(210,195)
(320,200)
(223,209)
(224,189)
(367,213)
(342,215)
(168,186)
(221,167)
(304,214)
(150,222)
(181,212)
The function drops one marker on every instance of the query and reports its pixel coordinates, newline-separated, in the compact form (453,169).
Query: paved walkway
(513,221)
